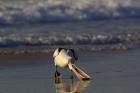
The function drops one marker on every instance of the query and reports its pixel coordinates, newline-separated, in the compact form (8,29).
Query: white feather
(62,59)
(56,52)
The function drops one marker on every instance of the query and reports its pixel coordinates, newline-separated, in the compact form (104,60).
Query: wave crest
(64,39)
(19,11)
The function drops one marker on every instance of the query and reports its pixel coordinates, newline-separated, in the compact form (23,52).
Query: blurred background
(108,24)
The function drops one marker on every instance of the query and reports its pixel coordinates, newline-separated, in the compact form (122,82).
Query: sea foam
(68,39)
(27,11)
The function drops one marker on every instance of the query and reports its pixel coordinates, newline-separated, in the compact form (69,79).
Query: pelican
(65,58)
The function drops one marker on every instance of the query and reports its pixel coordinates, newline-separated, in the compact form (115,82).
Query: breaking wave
(16,40)
(26,11)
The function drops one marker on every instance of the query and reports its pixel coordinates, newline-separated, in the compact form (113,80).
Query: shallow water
(111,72)
(103,32)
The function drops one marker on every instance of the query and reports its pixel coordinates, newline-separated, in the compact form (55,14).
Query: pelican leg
(56,72)
(71,77)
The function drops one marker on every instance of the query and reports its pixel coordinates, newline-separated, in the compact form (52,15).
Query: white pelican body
(62,60)
(65,58)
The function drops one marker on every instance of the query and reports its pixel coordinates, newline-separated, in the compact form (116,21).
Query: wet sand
(111,72)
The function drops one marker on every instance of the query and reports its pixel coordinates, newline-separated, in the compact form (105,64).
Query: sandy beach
(117,72)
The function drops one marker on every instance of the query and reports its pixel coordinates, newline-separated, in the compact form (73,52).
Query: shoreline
(48,49)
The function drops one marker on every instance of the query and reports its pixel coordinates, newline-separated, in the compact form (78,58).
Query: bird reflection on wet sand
(66,85)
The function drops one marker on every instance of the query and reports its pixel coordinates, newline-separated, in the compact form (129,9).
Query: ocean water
(17,11)
(69,22)
(116,72)
(103,32)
